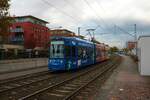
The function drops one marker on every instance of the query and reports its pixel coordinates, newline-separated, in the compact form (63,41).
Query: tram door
(70,54)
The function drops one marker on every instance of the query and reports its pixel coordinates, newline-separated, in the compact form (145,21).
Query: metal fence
(10,54)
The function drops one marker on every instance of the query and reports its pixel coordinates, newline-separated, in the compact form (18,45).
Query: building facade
(131,45)
(144,55)
(29,31)
(61,32)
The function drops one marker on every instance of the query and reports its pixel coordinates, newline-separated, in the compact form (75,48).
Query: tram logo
(73,43)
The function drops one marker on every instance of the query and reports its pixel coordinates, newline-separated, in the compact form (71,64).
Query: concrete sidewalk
(125,84)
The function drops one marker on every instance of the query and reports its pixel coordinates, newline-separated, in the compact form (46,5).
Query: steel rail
(23,77)
(110,68)
(10,89)
(58,84)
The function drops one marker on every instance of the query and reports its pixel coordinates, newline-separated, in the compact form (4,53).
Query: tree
(126,50)
(4,20)
(114,49)
(95,41)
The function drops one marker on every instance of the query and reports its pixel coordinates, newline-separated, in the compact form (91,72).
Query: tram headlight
(61,61)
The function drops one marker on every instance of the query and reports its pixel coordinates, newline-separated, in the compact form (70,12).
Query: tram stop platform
(19,67)
(125,83)
(14,74)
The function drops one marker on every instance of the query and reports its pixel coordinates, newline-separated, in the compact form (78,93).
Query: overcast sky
(100,14)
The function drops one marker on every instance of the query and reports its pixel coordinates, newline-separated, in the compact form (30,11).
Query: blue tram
(69,53)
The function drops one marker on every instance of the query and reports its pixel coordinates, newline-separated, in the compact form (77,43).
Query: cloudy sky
(100,14)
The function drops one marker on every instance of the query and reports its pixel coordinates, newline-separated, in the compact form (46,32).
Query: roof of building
(72,38)
(30,16)
(61,30)
(131,42)
(143,36)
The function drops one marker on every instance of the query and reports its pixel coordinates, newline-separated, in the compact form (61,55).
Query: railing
(15,39)
(17,30)
(22,54)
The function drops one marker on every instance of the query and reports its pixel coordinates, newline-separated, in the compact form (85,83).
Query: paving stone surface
(125,83)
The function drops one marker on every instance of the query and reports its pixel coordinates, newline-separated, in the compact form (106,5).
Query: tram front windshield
(57,49)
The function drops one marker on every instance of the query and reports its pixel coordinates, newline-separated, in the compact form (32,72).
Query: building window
(18,26)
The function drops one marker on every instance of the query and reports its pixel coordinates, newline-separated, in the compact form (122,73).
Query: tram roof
(73,39)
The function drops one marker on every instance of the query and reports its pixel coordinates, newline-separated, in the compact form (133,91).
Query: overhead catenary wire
(99,18)
(61,11)
(121,29)
(104,21)
(124,31)
(100,5)
(77,21)
(64,13)
(73,6)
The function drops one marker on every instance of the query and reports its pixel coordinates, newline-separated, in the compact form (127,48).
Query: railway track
(23,77)
(22,88)
(91,89)
(66,89)
(12,89)
(23,82)
(9,84)
(17,89)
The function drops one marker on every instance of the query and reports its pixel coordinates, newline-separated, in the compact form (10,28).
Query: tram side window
(70,51)
(83,52)
(89,53)
(98,52)
(52,51)
(73,51)
(80,52)
(56,51)
(107,53)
